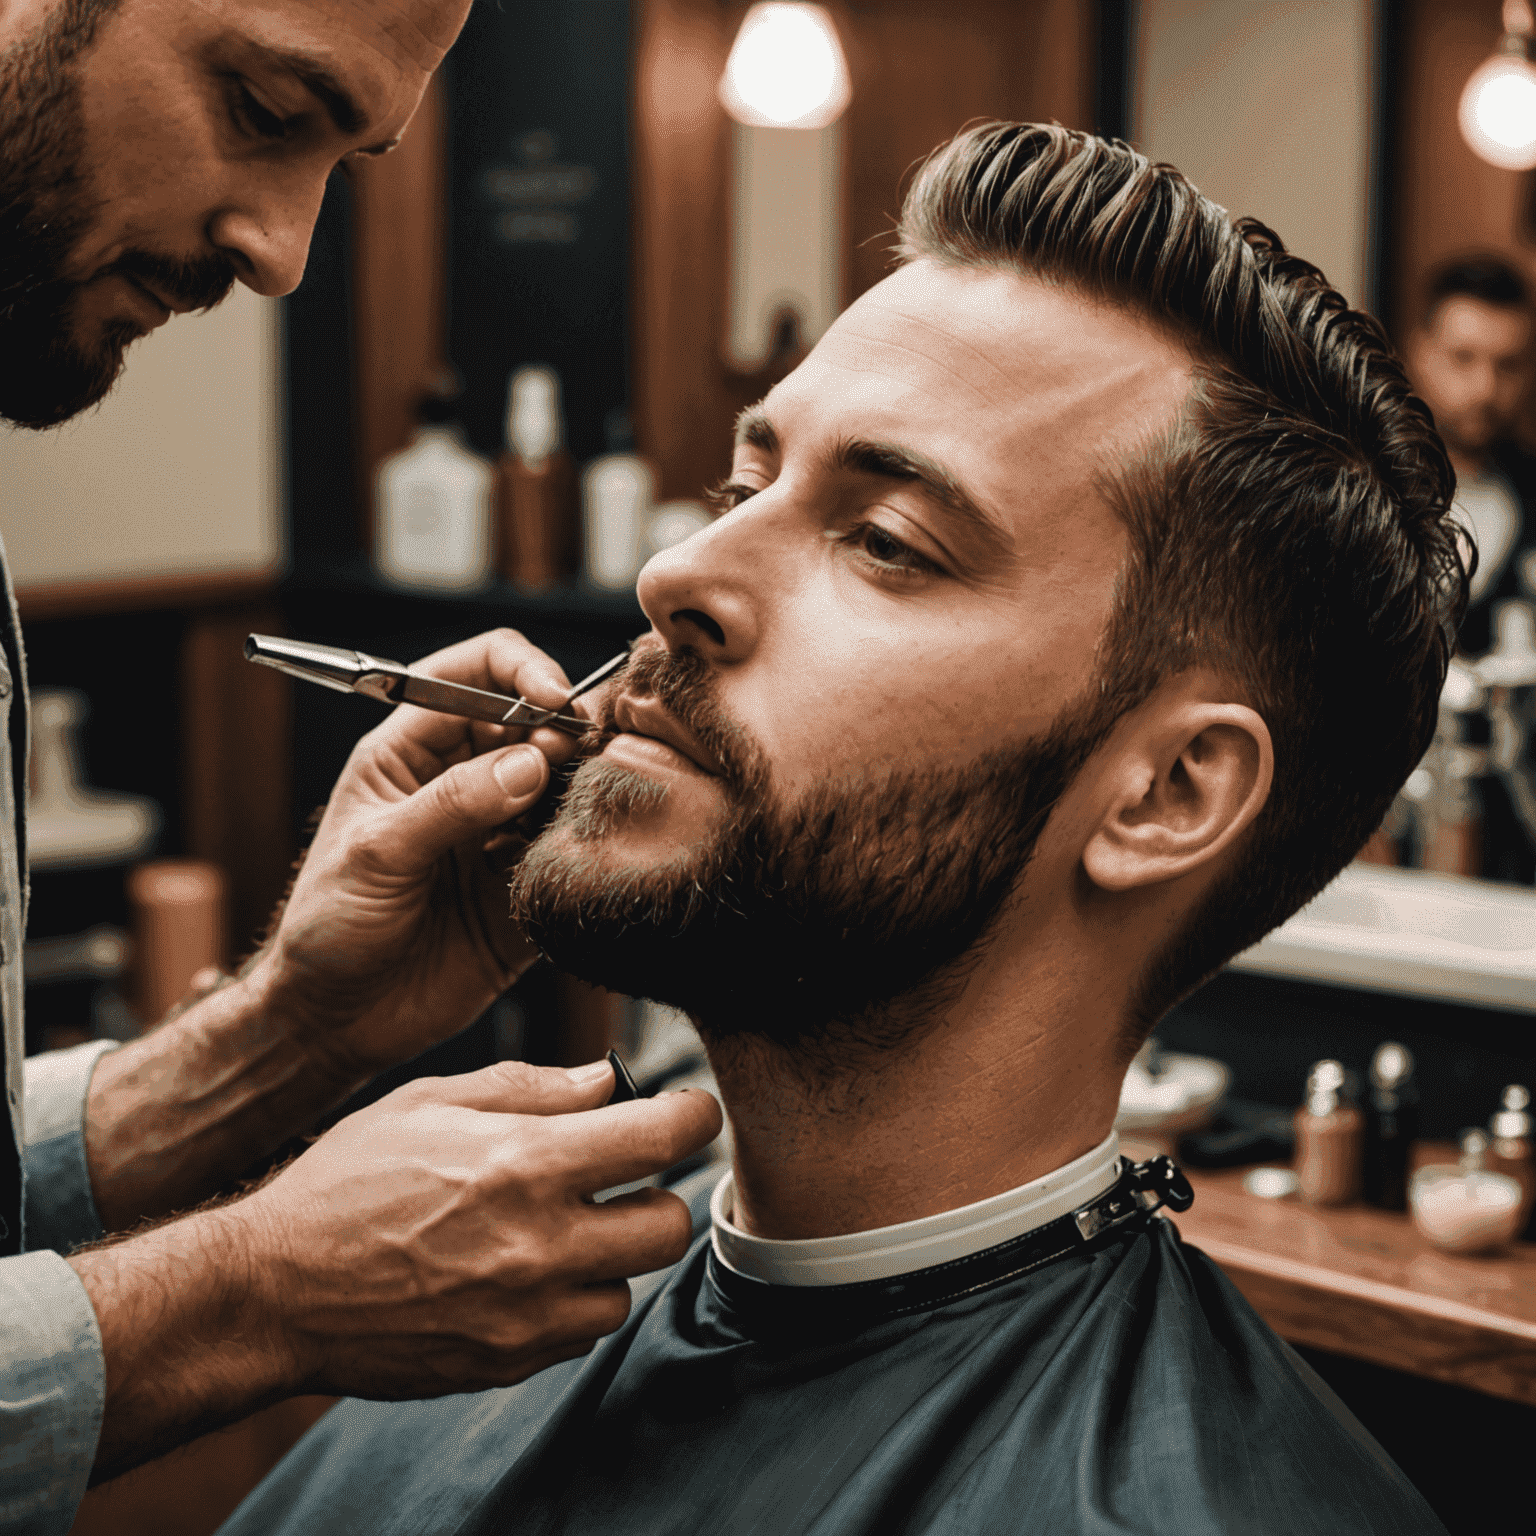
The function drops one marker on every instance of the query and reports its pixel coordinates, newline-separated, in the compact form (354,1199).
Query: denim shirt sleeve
(52,1391)
(60,1212)
(52,1374)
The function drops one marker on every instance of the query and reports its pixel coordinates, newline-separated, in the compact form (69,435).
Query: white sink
(1394,930)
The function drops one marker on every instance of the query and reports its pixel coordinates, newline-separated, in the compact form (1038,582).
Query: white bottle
(433,500)
(617,492)
(534,418)
(673,522)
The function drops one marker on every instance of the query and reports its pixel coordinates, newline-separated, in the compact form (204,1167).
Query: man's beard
(1473,432)
(46,376)
(840,920)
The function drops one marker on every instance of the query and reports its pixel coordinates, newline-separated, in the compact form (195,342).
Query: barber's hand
(397,933)
(441,1240)
(444,1240)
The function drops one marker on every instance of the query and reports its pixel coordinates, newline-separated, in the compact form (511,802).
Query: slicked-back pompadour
(1292,533)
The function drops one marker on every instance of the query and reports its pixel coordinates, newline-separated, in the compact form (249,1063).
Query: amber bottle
(536,492)
(1330,1134)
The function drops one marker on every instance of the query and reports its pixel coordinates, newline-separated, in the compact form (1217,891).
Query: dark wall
(538,254)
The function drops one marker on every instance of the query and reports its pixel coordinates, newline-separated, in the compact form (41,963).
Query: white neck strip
(886,1252)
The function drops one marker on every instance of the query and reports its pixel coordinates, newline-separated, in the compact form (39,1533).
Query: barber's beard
(829,924)
(47,374)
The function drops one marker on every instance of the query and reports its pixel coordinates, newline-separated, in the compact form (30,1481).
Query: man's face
(877,642)
(1472,364)
(185,147)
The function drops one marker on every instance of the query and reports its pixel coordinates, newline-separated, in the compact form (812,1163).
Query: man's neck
(986,1094)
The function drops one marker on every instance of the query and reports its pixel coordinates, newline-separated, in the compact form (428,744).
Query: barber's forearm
(188,1339)
(175,1116)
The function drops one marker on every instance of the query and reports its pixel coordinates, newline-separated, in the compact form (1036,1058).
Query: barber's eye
(255,118)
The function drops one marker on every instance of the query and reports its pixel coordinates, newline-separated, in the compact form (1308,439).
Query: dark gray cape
(1124,1388)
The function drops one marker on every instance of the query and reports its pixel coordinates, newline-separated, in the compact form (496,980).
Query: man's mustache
(683,683)
(197,282)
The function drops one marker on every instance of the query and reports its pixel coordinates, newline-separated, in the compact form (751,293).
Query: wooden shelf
(1361,1282)
(574,601)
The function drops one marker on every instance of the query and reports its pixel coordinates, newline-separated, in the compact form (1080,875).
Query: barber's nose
(267,240)
(700,593)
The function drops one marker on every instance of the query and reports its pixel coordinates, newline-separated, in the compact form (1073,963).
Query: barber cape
(1087,1374)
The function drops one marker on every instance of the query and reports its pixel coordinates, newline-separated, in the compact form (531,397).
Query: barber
(152,153)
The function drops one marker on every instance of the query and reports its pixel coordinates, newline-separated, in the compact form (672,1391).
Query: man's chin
(44,383)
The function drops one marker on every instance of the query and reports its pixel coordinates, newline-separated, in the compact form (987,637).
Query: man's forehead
(994,372)
(408,33)
(1464,317)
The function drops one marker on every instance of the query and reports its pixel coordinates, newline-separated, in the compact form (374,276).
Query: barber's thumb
(467,800)
(516,1088)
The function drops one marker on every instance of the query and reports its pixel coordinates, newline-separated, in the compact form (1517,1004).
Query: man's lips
(161,310)
(648,719)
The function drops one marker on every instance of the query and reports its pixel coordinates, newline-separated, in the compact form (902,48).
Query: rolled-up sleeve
(52,1388)
(52,1375)
(60,1212)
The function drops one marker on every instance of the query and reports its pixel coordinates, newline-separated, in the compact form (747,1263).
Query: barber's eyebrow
(340,105)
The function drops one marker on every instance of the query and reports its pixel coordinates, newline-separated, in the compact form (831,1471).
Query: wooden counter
(1362,1282)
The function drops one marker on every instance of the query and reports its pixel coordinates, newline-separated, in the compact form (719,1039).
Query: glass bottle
(1391,1125)
(1329,1136)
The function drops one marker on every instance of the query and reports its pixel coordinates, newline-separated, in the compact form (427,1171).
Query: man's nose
(706,592)
(266,237)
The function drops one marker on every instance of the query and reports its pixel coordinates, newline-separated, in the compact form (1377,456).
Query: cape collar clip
(1141,1189)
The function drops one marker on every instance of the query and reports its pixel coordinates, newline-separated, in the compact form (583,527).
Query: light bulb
(786,69)
(1498,112)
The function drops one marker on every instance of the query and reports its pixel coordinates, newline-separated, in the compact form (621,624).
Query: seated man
(1079,605)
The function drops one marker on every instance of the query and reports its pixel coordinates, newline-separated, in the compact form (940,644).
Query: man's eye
(888,551)
(728,495)
(255,118)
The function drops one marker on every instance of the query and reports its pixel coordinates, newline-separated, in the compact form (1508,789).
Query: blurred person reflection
(1470,359)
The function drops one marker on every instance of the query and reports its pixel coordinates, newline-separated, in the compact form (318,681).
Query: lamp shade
(786,69)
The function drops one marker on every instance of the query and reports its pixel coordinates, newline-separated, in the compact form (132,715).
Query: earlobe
(1181,793)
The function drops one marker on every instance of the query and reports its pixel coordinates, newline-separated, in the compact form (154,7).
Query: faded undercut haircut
(1292,532)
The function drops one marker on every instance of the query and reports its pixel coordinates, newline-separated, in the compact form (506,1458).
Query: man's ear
(1182,790)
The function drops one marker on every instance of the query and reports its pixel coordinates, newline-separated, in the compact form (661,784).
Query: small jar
(1461,1207)
(1330,1136)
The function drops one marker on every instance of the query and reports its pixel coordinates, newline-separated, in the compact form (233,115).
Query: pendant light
(1498,106)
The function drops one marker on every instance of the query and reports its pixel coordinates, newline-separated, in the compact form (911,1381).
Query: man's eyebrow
(346,115)
(939,484)
(755,430)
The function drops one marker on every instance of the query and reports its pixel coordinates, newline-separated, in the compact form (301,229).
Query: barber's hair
(1292,531)
(1488,278)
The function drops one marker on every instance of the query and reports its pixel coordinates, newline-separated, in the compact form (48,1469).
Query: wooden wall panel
(237,750)
(399,295)
(919,71)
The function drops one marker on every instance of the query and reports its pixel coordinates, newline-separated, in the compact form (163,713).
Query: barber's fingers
(501,661)
(630,1141)
(628,1235)
(516,1088)
(465,801)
